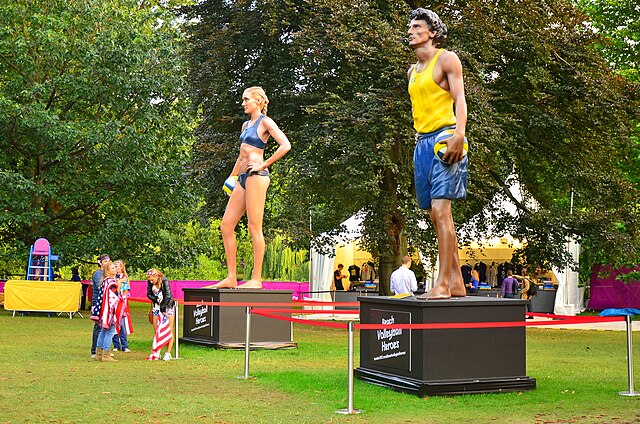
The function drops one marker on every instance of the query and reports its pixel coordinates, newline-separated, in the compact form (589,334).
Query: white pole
(247,344)
(350,410)
(631,391)
(177,315)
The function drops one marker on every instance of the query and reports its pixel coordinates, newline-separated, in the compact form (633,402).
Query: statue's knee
(226,228)
(255,231)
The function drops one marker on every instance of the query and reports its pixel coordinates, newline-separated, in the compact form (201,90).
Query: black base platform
(224,327)
(445,387)
(444,361)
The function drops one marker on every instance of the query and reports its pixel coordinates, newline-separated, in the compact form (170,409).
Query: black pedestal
(544,301)
(224,327)
(444,361)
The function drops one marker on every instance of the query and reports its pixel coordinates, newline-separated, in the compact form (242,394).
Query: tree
(294,51)
(561,113)
(619,22)
(544,109)
(95,130)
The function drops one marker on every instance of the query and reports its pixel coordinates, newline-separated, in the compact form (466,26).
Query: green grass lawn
(47,375)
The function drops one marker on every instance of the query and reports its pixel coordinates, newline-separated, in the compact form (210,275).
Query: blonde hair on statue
(260,96)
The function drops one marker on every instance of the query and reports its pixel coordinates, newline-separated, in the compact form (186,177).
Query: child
(120,341)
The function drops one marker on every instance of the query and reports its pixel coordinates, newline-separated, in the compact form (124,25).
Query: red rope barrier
(304,311)
(593,318)
(256,305)
(139,299)
(271,313)
(301,321)
(504,324)
(261,309)
(245,304)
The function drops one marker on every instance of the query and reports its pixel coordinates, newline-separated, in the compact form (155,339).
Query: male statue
(438,103)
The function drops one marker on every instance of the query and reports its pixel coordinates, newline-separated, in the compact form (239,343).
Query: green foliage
(95,132)
(631,277)
(281,263)
(308,56)
(619,22)
(205,269)
(558,120)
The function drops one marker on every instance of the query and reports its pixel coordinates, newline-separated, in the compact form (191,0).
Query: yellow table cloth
(46,296)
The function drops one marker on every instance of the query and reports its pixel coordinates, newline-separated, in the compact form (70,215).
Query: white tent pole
(566,271)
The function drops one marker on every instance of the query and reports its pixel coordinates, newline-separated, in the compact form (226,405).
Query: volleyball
(229,184)
(441,149)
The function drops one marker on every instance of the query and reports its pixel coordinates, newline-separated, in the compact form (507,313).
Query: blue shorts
(434,178)
(242,178)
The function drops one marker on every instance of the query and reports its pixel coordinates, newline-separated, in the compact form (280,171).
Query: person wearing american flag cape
(124,326)
(107,316)
(159,293)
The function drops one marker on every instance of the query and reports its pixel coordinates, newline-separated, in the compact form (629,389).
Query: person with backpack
(529,289)
(509,286)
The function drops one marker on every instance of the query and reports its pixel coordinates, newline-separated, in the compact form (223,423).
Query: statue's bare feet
(457,289)
(227,283)
(251,284)
(438,292)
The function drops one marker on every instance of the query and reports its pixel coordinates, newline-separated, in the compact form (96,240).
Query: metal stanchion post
(247,346)
(333,300)
(631,391)
(350,410)
(176,321)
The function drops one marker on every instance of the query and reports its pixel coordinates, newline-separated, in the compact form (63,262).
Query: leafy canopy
(95,130)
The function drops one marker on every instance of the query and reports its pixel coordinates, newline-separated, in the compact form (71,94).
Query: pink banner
(139,287)
(608,292)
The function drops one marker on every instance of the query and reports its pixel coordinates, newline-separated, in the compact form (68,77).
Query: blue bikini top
(250,135)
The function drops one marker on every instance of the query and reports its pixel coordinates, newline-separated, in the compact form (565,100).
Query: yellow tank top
(432,105)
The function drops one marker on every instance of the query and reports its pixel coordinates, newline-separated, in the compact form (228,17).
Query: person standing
(492,275)
(474,282)
(438,103)
(403,280)
(250,193)
(159,293)
(338,277)
(96,280)
(75,277)
(509,286)
(107,318)
(120,339)
(526,292)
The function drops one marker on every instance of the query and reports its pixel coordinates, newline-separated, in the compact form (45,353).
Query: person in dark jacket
(159,293)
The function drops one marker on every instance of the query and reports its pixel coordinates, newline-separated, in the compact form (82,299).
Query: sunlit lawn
(46,375)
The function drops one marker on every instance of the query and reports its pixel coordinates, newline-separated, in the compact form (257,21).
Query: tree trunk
(396,245)
(389,263)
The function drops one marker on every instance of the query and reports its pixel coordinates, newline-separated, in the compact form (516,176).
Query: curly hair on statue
(433,22)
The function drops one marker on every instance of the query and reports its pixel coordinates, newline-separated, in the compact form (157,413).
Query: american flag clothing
(97,306)
(110,301)
(162,335)
(123,314)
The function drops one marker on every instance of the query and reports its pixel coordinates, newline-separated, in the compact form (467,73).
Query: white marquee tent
(569,300)
(322,265)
